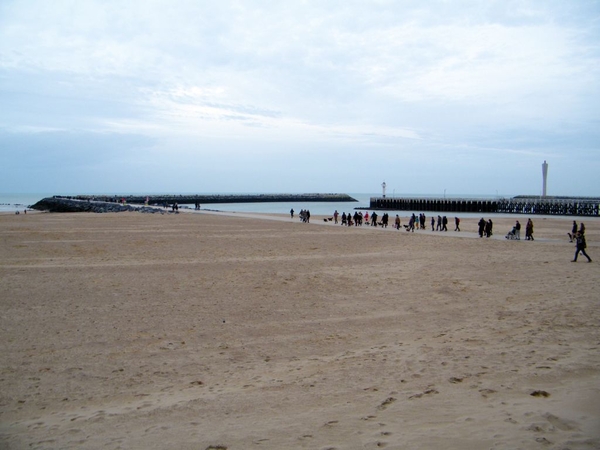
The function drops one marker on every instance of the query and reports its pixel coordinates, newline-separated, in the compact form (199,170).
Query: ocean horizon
(19,202)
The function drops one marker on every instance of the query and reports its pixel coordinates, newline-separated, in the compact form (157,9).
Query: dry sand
(205,331)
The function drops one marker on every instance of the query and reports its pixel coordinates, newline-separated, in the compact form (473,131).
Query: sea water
(19,202)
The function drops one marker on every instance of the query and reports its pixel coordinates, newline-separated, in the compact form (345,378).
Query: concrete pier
(566,206)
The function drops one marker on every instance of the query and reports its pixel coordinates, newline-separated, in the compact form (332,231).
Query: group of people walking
(515,233)
(351,220)
(358,218)
(485,227)
(303,215)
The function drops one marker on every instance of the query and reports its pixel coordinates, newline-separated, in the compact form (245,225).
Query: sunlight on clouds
(203,111)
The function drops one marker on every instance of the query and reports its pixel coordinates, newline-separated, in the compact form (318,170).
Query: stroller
(512,234)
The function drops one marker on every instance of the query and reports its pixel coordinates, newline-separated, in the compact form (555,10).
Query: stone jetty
(118,203)
(522,204)
(58,204)
(215,198)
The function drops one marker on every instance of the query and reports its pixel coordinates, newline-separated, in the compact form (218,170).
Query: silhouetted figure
(580,246)
(573,232)
(489,228)
(518,230)
(481,224)
(529,230)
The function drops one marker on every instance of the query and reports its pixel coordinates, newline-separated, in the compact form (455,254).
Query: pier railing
(584,206)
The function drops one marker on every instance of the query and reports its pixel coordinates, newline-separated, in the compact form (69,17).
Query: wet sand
(233,331)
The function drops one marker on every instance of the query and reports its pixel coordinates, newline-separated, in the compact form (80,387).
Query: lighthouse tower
(383,185)
(545,177)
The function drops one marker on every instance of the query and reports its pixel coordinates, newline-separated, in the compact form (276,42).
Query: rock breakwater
(158,203)
(57,204)
(161,200)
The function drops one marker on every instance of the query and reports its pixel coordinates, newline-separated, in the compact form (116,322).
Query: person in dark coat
(374,219)
(481,224)
(580,246)
(489,228)
(529,231)
(573,232)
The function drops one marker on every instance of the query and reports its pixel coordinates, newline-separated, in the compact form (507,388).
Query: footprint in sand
(539,393)
(559,423)
(486,392)
(427,392)
(387,402)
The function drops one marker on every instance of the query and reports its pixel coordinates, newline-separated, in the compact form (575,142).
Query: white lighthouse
(545,177)
(383,185)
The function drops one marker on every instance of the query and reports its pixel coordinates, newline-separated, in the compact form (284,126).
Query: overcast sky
(462,97)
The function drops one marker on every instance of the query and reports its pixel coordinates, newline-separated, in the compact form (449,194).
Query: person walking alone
(580,246)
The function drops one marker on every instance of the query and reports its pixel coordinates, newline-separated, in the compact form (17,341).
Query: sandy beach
(233,331)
